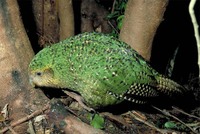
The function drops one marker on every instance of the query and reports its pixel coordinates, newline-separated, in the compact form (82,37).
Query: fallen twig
(172,116)
(116,118)
(190,115)
(10,128)
(22,120)
(113,27)
(150,125)
(113,6)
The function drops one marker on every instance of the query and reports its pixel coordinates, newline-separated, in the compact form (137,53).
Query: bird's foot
(79,99)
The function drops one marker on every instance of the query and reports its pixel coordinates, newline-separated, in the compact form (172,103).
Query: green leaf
(170,125)
(112,15)
(119,20)
(97,122)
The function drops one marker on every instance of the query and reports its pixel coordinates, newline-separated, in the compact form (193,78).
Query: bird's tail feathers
(169,87)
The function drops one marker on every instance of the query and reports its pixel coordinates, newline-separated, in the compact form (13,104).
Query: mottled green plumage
(102,69)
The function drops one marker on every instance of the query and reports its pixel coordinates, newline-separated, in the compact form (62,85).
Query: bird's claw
(79,99)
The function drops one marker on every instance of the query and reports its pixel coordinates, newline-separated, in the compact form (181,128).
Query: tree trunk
(15,55)
(66,17)
(142,17)
(54,20)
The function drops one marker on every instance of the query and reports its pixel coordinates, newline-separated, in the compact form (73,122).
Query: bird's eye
(38,73)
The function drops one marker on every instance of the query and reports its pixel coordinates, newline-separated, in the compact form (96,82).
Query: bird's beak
(31,81)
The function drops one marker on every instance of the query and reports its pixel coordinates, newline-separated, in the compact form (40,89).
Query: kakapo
(102,69)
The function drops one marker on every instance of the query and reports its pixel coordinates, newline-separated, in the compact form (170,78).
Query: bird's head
(42,78)
(41,72)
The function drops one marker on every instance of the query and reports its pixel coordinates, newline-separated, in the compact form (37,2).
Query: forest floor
(113,120)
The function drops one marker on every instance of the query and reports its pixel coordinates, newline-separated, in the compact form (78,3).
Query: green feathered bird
(103,70)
